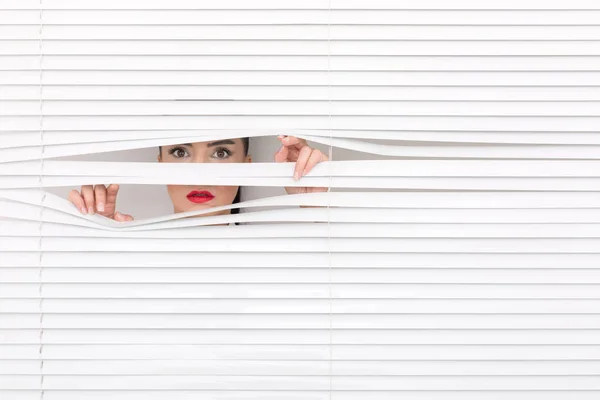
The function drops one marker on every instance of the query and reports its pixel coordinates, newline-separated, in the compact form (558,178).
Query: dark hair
(237,199)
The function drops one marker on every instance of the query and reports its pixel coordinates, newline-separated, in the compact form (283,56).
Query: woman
(102,200)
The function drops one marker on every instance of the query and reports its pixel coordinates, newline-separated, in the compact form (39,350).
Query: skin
(102,200)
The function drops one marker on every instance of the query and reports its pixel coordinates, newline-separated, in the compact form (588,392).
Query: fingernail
(296,176)
(83,210)
(100,207)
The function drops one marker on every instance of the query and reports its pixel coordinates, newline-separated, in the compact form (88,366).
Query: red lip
(200,197)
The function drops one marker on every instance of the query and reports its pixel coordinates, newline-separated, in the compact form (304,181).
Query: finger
(303,157)
(293,141)
(315,157)
(100,193)
(87,191)
(111,195)
(122,217)
(287,153)
(282,154)
(77,200)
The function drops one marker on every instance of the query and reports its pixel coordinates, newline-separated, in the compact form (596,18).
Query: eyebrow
(217,143)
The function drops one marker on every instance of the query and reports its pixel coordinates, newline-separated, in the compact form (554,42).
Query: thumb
(122,217)
(282,154)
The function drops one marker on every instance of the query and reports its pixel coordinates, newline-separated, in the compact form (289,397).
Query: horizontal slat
(405,63)
(302,367)
(309,352)
(418,183)
(312,395)
(313,107)
(197,367)
(298,290)
(443,95)
(303,78)
(308,383)
(293,307)
(364,16)
(556,175)
(308,260)
(15,140)
(445,123)
(301,32)
(306,4)
(205,273)
(28,228)
(307,336)
(200,4)
(157,383)
(301,321)
(301,47)
(321,214)
(333,245)
(343,168)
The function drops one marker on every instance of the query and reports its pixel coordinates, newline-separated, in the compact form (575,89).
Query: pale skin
(102,200)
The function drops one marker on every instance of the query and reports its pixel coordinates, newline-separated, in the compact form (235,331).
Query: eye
(222,153)
(178,152)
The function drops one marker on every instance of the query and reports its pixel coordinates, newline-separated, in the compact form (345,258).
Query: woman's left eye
(222,153)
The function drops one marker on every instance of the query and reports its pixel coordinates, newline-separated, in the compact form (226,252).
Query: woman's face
(192,197)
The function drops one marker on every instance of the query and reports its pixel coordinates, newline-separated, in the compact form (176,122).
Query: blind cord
(43,198)
(329,198)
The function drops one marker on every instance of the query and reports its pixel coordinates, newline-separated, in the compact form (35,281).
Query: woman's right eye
(177,152)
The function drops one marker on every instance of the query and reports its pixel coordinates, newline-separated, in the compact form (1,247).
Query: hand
(98,199)
(294,149)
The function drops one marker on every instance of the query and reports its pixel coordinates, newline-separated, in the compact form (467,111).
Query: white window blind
(457,258)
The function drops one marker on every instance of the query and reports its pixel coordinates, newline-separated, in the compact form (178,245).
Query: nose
(200,157)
